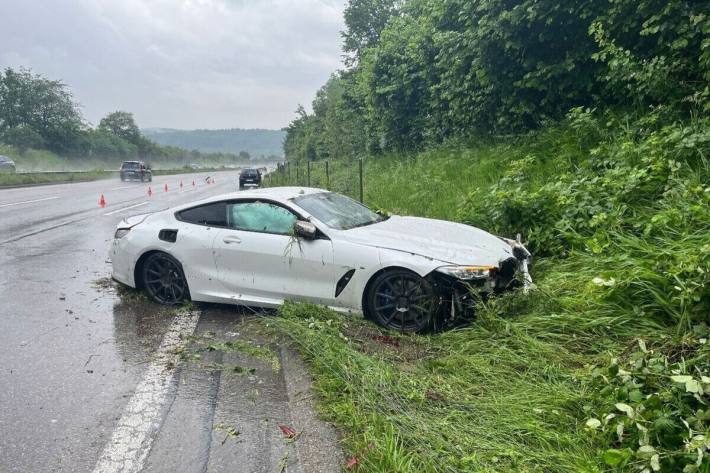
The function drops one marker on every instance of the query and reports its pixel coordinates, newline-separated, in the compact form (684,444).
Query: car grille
(506,273)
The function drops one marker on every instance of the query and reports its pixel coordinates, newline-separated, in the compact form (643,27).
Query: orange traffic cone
(193,183)
(102,202)
(150,191)
(165,189)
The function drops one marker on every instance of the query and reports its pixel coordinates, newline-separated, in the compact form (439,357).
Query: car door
(259,260)
(197,230)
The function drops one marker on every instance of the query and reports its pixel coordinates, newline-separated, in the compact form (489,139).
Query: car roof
(279,194)
(5,159)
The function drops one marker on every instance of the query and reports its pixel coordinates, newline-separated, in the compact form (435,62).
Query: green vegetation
(423,72)
(41,128)
(618,215)
(581,125)
(254,144)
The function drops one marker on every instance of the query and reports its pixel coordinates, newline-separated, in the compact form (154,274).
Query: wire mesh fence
(344,176)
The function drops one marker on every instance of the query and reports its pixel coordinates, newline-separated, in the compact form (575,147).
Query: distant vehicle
(249,178)
(136,170)
(192,166)
(7,164)
(261,247)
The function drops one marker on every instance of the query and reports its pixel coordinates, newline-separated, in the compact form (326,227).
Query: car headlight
(121,232)
(467,273)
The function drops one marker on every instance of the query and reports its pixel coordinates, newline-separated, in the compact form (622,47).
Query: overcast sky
(179,63)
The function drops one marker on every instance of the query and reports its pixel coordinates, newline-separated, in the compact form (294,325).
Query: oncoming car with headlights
(259,248)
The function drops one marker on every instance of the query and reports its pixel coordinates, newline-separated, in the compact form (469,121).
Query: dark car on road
(6,164)
(135,170)
(249,178)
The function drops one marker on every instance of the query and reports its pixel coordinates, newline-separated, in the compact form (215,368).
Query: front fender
(351,297)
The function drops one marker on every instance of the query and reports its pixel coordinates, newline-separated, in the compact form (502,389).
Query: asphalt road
(95,379)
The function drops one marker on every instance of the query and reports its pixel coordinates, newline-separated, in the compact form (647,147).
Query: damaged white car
(259,248)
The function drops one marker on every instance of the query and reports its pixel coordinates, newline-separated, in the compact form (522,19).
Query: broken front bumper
(458,297)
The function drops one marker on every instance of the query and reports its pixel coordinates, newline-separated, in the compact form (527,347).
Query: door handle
(231,239)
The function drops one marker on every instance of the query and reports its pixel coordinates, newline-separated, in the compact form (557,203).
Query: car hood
(449,242)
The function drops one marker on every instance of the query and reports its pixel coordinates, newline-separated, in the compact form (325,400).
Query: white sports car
(261,247)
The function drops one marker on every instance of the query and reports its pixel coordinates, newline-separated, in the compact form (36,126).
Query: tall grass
(619,218)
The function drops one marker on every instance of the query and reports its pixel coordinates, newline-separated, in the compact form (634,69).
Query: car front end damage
(460,288)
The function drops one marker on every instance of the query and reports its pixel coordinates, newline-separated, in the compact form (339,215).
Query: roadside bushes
(617,212)
(653,405)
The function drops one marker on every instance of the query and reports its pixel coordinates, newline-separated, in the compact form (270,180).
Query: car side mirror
(305,229)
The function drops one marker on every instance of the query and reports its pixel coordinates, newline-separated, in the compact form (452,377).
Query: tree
(46,107)
(244,156)
(364,21)
(123,125)
(23,137)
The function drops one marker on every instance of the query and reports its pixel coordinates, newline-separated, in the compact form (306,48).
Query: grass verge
(605,367)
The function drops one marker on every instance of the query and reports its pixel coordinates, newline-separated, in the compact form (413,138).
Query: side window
(213,215)
(260,217)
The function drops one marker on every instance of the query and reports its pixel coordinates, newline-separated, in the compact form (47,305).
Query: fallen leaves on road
(287,431)
(231,431)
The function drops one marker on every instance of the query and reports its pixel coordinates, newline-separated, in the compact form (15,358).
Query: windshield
(130,165)
(337,211)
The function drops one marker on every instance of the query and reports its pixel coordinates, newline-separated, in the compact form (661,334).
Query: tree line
(39,113)
(422,72)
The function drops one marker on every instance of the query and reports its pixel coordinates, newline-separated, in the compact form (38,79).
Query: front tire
(401,300)
(164,280)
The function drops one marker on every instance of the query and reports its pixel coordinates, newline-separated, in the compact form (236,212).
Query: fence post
(308,167)
(360,170)
(298,177)
(327,176)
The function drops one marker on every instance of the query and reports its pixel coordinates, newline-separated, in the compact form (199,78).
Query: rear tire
(164,279)
(401,300)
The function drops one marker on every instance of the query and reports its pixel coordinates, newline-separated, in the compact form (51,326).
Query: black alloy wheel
(164,279)
(401,300)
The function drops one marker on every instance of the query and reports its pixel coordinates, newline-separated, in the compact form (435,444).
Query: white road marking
(124,187)
(127,208)
(132,440)
(28,201)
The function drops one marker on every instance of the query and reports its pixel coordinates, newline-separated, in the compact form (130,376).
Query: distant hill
(257,142)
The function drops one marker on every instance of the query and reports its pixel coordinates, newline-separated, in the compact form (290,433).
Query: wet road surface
(98,379)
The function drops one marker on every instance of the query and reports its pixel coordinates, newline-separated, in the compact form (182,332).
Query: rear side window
(213,215)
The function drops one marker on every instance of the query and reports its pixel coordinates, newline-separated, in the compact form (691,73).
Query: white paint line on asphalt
(127,208)
(132,440)
(124,187)
(28,201)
